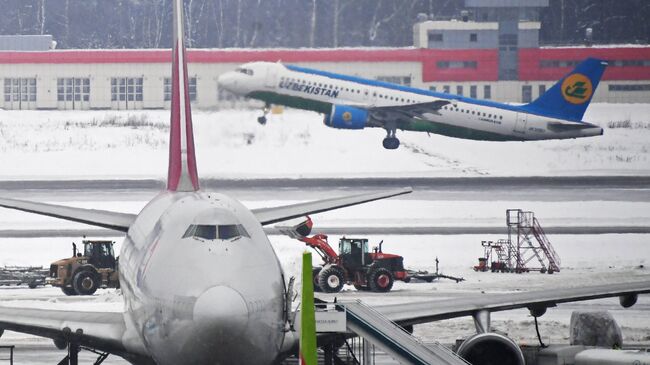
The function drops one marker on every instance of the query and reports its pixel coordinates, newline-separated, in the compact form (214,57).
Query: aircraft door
(520,125)
(270,78)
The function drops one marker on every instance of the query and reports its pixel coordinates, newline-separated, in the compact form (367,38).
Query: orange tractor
(355,263)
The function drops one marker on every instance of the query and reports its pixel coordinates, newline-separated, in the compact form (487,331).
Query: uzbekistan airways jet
(355,103)
(202,284)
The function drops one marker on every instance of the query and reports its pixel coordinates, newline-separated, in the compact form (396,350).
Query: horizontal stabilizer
(94,217)
(283,213)
(560,127)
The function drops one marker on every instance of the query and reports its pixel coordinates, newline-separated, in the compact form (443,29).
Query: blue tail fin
(569,97)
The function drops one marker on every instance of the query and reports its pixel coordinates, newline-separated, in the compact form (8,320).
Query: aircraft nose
(223,306)
(228,81)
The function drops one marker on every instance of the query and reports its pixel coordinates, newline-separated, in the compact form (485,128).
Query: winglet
(182,174)
(308,355)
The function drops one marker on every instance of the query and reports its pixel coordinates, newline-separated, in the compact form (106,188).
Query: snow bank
(230,143)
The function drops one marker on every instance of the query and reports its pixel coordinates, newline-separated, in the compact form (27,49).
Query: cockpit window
(211,232)
(244,70)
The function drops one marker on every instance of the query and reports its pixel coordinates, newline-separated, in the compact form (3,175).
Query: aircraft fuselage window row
(473,112)
(347,89)
(213,232)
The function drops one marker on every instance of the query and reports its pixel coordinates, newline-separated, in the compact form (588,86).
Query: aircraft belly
(461,128)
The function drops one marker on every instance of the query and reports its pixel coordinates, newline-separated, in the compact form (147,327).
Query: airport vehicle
(201,282)
(83,274)
(355,103)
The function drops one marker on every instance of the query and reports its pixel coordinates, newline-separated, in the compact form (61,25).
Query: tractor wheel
(331,280)
(381,280)
(85,282)
(68,290)
(314,274)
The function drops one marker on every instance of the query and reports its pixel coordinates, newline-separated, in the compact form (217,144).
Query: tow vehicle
(84,273)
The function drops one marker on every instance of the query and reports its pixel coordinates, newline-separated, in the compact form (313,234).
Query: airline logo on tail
(577,89)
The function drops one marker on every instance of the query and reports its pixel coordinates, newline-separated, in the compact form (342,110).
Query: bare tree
(377,22)
(312,30)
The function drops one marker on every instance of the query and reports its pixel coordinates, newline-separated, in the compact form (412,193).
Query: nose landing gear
(391,142)
(262,120)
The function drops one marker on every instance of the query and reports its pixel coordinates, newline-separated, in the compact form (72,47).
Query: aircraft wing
(104,331)
(101,218)
(410,111)
(435,310)
(283,213)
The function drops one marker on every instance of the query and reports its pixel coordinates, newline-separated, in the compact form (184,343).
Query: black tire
(67,290)
(261,120)
(85,282)
(32,285)
(331,280)
(381,280)
(314,274)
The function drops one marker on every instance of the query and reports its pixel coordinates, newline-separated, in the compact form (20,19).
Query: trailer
(32,276)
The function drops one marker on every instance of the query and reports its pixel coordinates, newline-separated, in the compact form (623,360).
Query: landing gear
(262,120)
(390,142)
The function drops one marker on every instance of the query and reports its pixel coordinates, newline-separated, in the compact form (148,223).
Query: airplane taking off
(355,103)
(201,282)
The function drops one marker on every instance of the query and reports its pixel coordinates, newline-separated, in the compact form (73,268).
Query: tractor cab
(100,254)
(354,252)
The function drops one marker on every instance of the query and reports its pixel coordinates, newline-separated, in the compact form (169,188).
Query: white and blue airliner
(355,103)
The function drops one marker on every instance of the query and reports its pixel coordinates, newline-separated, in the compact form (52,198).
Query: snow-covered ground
(230,143)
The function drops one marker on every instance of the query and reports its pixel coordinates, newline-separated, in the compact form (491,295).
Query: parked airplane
(201,282)
(355,103)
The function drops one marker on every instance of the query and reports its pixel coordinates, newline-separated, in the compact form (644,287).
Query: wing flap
(95,217)
(283,213)
(409,111)
(435,310)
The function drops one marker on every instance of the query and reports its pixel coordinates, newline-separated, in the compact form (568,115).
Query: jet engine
(491,348)
(346,117)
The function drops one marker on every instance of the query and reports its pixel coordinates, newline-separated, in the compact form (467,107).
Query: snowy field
(110,144)
(230,143)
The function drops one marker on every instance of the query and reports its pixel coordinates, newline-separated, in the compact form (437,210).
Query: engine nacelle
(491,348)
(628,300)
(346,117)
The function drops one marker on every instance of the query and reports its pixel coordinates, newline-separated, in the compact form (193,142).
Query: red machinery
(354,264)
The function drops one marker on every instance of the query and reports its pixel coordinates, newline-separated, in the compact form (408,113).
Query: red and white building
(139,79)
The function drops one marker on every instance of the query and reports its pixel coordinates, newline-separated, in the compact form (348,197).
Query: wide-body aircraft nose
(222,308)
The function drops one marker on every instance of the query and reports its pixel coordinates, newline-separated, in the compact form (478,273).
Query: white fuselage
(201,301)
(463,117)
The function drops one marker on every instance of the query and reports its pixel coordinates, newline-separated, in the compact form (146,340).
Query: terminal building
(491,51)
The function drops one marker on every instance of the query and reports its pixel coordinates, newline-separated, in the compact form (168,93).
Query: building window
(541,89)
(557,63)
(73,89)
(456,64)
(487,92)
(435,37)
(459,90)
(472,91)
(446,89)
(168,88)
(432,88)
(473,37)
(126,89)
(400,80)
(629,87)
(20,89)
(526,94)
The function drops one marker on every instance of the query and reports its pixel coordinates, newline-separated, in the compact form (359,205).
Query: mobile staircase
(527,236)
(393,339)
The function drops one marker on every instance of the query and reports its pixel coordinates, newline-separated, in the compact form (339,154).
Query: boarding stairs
(530,242)
(393,339)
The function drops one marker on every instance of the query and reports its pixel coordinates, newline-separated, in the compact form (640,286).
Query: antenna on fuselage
(182,174)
